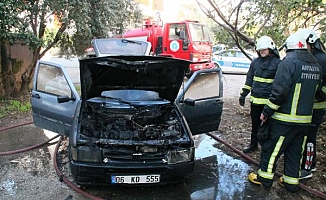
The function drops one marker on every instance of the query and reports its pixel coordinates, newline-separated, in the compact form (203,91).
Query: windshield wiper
(130,41)
(118,100)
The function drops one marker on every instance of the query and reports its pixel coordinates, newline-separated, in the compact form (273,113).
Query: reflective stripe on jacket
(260,78)
(321,58)
(295,84)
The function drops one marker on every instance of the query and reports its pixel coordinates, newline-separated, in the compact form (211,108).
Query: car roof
(238,50)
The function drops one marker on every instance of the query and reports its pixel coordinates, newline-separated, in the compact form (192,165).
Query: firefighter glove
(242,100)
(263,131)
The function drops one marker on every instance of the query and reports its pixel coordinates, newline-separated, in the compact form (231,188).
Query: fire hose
(27,148)
(66,180)
(61,176)
(82,192)
(310,190)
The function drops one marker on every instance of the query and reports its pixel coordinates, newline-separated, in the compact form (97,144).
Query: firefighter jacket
(320,102)
(295,84)
(260,78)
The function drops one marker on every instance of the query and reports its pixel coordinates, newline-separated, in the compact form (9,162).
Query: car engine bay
(118,119)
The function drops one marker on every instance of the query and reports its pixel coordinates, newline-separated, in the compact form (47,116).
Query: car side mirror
(185,42)
(182,35)
(189,102)
(64,98)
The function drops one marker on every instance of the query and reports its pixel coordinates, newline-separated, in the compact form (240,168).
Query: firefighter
(288,113)
(316,47)
(259,81)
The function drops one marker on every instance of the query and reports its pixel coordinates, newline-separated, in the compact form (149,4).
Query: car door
(201,100)
(53,97)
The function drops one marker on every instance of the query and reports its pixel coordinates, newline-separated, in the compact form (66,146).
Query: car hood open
(160,74)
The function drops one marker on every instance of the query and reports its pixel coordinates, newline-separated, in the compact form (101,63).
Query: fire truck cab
(188,40)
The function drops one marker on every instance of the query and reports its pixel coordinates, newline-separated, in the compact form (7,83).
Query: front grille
(133,158)
(136,158)
(127,156)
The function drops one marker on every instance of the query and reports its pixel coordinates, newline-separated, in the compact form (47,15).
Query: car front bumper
(101,174)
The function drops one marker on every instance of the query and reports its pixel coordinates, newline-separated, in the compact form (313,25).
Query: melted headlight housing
(180,155)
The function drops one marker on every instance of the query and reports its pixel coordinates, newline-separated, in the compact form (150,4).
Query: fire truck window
(199,32)
(174,32)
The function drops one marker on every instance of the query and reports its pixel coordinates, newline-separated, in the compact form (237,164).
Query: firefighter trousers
(255,112)
(309,154)
(283,138)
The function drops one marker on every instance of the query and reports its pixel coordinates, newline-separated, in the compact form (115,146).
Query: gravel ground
(235,128)
(31,175)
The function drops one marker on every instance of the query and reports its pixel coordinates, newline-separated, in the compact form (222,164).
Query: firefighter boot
(252,147)
(289,187)
(253,143)
(253,177)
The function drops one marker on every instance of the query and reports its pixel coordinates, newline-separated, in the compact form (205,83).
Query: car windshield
(119,46)
(199,33)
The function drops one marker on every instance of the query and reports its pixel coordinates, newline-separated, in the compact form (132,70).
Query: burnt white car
(135,118)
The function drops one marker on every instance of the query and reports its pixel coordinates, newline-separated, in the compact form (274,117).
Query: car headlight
(196,57)
(180,156)
(85,154)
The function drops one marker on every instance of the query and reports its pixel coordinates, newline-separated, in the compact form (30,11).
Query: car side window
(204,86)
(223,54)
(240,55)
(231,54)
(51,80)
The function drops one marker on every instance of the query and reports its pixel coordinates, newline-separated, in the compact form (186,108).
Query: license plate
(135,179)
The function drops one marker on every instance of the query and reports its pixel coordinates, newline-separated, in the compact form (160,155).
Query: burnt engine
(120,120)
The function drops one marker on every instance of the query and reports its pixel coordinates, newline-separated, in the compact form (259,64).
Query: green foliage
(79,21)
(281,18)
(16,106)
(70,25)
(78,88)
(102,19)
(275,18)
(221,36)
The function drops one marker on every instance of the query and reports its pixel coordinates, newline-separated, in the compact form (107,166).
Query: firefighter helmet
(312,38)
(295,41)
(309,34)
(265,42)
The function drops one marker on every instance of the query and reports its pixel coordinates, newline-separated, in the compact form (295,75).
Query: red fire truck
(189,40)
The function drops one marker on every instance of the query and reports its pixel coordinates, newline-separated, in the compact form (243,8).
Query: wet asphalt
(216,175)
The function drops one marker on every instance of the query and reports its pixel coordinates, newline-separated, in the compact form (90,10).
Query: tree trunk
(7,78)
(27,76)
(17,63)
